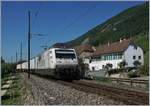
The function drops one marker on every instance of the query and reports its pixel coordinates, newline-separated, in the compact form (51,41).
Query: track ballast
(129,97)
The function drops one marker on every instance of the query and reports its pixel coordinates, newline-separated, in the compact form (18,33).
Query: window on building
(103,66)
(116,56)
(93,68)
(109,57)
(104,57)
(113,57)
(99,58)
(139,57)
(119,56)
(134,57)
(90,60)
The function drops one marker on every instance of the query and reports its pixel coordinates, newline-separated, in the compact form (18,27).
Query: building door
(93,68)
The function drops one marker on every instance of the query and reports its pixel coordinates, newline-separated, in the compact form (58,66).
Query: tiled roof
(113,47)
(83,48)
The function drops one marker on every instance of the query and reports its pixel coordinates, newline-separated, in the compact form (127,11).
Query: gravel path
(46,92)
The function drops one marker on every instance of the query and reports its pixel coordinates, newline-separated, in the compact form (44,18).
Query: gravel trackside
(43,91)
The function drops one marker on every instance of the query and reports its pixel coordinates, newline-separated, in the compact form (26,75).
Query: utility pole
(29,38)
(16,58)
(29,41)
(16,62)
(11,63)
(21,56)
(11,60)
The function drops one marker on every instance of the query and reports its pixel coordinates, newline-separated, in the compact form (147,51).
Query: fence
(128,80)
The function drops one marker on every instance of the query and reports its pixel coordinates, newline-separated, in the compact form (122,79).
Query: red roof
(113,47)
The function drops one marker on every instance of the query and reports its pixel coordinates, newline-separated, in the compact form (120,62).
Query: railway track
(128,97)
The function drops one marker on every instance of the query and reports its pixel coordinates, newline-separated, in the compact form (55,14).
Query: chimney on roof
(108,43)
(93,48)
(120,40)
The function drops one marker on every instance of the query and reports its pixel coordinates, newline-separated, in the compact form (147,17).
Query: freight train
(59,63)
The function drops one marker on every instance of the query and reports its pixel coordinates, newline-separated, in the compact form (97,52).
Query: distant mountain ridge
(132,22)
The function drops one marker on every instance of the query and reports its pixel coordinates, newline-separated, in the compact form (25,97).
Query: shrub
(144,70)
(7,68)
(113,71)
(136,63)
(132,74)
(122,64)
(82,67)
(108,66)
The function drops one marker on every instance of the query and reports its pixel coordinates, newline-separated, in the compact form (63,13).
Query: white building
(114,53)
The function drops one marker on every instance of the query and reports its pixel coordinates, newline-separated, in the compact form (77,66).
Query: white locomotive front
(65,58)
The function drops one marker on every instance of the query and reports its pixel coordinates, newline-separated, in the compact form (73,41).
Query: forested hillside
(133,22)
(129,23)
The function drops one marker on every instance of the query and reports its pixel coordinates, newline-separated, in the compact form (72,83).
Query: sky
(57,21)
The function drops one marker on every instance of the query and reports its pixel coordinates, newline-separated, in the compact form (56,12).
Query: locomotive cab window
(65,54)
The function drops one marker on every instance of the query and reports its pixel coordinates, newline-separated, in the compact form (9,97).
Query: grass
(13,95)
(4,79)
(104,81)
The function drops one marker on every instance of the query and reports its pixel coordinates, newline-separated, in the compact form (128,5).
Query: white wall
(99,64)
(130,52)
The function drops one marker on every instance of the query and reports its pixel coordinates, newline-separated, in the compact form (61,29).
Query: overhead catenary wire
(89,9)
(24,43)
(80,16)
(36,14)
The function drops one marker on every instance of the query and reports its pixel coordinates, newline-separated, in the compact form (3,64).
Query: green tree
(137,63)
(2,60)
(144,70)
(122,64)
(82,67)
(108,66)
(7,68)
